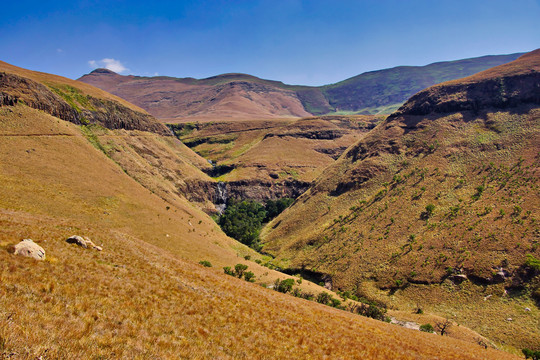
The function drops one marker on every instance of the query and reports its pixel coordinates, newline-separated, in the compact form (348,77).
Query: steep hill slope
(143,296)
(72,100)
(385,90)
(270,159)
(241,96)
(436,207)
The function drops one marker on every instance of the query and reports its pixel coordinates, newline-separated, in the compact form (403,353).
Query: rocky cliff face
(68,103)
(497,93)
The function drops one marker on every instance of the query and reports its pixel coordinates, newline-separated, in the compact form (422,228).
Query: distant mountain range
(242,96)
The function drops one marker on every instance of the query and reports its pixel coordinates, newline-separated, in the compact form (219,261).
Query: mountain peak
(103,71)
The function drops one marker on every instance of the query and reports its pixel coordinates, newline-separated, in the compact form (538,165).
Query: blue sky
(298,42)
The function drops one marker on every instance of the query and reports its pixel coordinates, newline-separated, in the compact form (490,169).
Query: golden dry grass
(137,301)
(365,233)
(278,149)
(46,78)
(138,298)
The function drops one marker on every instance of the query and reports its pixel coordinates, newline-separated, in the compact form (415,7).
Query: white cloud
(111,64)
(59,50)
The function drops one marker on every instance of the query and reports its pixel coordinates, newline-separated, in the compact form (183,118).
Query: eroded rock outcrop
(65,104)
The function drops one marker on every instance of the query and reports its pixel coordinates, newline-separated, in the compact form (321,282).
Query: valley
(430,212)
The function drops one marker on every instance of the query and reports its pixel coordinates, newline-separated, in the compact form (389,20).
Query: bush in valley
(205,263)
(531,354)
(275,207)
(427,328)
(371,310)
(243,221)
(334,302)
(249,276)
(323,298)
(239,270)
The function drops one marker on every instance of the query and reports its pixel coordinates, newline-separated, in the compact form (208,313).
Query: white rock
(29,248)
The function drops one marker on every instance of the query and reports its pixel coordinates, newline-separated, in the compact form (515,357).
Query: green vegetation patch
(243,220)
(73,96)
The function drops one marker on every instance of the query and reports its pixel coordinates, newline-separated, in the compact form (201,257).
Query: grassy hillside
(72,101)
(437,207)
(383,91)
(144,296)
(286,148)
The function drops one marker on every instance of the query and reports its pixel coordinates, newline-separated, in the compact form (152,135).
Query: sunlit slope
(139,298)
(72,101)
(50,168)
(276,150)
(135,301)
(445,189)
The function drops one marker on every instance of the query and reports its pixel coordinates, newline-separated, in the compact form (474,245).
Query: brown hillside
(226,97)
(437,210)
(268,159)
(504,86)
(72,101)
(144,296)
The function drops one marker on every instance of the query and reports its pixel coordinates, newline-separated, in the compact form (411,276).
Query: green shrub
(427,328)
(243,221)
(249,276)
(284,286)
(205,263)
(275,207)
(227,270)
(323,298)
(373,311)
(334,302)
(530,354)
(532,262)
(239,270)
(426,214)
(479,191)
